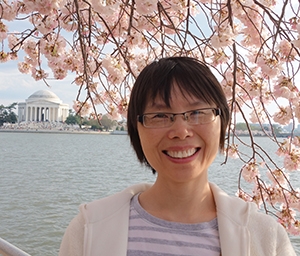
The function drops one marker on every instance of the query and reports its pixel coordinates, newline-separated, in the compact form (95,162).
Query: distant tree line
(276,128)
(7,115)
(104,124)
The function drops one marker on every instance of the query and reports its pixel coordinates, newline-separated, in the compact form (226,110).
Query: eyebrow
(163,105)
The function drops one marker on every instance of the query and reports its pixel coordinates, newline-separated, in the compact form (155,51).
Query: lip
(182,155)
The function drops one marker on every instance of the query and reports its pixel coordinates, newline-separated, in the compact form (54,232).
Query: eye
(160,116)
(198,112)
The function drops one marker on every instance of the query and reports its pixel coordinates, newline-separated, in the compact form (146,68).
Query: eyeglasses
(193,117)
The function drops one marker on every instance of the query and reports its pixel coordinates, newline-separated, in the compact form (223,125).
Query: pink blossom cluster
(232,151)
(3,31)
(290,151)
(286,203)
(250,171)
(287,219)
(276,191)
(81,107)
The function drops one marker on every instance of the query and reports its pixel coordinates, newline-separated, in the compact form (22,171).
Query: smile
(181,154)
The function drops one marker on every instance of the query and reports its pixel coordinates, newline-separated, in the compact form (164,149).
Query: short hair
(157,80)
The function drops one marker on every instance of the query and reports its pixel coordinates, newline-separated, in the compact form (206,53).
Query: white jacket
(101,228)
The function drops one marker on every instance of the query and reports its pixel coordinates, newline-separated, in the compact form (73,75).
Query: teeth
(182,154)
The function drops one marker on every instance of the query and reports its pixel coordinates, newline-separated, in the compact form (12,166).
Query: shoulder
(91,213)
(232,208)
(105,207)
(72,242)
(246,213)
(268,235)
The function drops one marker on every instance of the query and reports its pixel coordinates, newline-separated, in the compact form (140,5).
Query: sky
(17,87)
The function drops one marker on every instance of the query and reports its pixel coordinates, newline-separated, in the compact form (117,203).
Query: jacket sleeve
(268,237)
(284,246)
(72,242)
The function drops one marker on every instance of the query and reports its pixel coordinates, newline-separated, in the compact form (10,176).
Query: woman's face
(182,152)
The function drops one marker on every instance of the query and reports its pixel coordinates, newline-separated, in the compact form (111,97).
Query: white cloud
(16,87)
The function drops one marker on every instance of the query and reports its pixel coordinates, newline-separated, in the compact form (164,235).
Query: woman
(177,121)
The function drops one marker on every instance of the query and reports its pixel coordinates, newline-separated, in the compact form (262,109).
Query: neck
(184,203)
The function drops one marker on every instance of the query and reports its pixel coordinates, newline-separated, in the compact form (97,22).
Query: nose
(180,128)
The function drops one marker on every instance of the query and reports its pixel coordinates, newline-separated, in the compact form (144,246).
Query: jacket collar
(233,217)
(108,219)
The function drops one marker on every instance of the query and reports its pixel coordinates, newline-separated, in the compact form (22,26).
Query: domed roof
(44,95)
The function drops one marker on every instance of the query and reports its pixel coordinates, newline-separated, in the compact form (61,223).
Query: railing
(8,249)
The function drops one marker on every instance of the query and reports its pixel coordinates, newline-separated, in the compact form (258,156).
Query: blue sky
(16,87)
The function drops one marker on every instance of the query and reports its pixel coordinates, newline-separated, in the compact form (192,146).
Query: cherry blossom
(250,171)
(297,111)
(284,116)
(3,30)
(81,107)
(4,57)
(145,7)
(278,176)
(296,141)
(286,51)
(9,10)
(225,37)
(292,159)
(38,74)
(12,41)
(285,88)
(24,67)
(243,195)
(293,199)
(115,69)
(232,151)
(287,219)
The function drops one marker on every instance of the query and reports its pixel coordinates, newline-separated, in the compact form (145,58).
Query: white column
(46,114)
(19,114)
(28,113)
(33,113)
(43,114)
(40,113)
(52,114)
(56,114)
(59,113)
(66,113)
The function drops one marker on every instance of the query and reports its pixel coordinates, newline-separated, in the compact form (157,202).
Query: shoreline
(54,131)
(103,133)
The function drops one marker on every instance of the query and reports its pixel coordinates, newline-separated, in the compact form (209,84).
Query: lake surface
(44,177)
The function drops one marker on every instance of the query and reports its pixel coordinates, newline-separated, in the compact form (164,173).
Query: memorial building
(43,106)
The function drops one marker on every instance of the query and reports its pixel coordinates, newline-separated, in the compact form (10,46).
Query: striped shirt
(151,236)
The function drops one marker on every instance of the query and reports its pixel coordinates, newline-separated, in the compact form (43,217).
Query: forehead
(176,97)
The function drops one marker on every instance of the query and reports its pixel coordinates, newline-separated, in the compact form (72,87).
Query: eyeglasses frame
(140,118)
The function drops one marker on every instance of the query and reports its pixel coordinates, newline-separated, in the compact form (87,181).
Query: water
(44,178)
